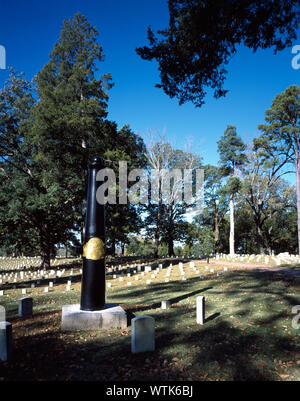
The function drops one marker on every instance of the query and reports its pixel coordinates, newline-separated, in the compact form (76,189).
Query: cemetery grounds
(247,335)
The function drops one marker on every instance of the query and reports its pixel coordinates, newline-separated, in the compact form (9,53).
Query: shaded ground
(248,333)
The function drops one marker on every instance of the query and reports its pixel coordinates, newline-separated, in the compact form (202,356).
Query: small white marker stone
(165,304)
(142,334)
(200,306)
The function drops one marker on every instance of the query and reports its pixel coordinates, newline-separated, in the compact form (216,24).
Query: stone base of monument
(113,316)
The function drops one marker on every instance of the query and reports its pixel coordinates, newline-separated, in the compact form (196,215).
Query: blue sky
(29,29)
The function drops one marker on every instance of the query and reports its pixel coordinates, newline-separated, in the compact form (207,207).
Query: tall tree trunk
(297,165)
(171,230)
(170,247)
(158,224)
(45,255)
(260,247)
(231,236)
(113,247)
(45,247)
(216,246)
(156,238)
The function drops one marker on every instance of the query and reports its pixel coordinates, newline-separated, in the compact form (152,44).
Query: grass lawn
(247,335)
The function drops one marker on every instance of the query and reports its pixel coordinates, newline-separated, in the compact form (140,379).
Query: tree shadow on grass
(241,349)
(155,305)
(215,351)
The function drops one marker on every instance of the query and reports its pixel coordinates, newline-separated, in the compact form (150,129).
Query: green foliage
(233,185)
(206,241)
(231,150)
(203,36)
(280,134)
(216,200)
(139,246)
(268,197)
(45,145)
(279,143)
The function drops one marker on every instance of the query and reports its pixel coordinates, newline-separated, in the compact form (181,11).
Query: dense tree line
(49,132)
(51,127)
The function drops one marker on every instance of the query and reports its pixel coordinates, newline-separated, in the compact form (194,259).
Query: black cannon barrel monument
(93,273)
(93,312)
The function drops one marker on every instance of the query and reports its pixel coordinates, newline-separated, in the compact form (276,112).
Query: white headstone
(25,307)
(6,342)
(2,314)
(143,334)
(165,304)
(200,307)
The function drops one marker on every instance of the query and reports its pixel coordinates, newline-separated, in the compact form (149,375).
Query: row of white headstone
(283,258)
(20,263)
(167,275)
(39,277)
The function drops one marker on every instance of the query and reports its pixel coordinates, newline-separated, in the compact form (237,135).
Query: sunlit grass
(248,334)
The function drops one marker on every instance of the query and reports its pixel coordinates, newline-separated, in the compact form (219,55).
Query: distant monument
(93,311)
